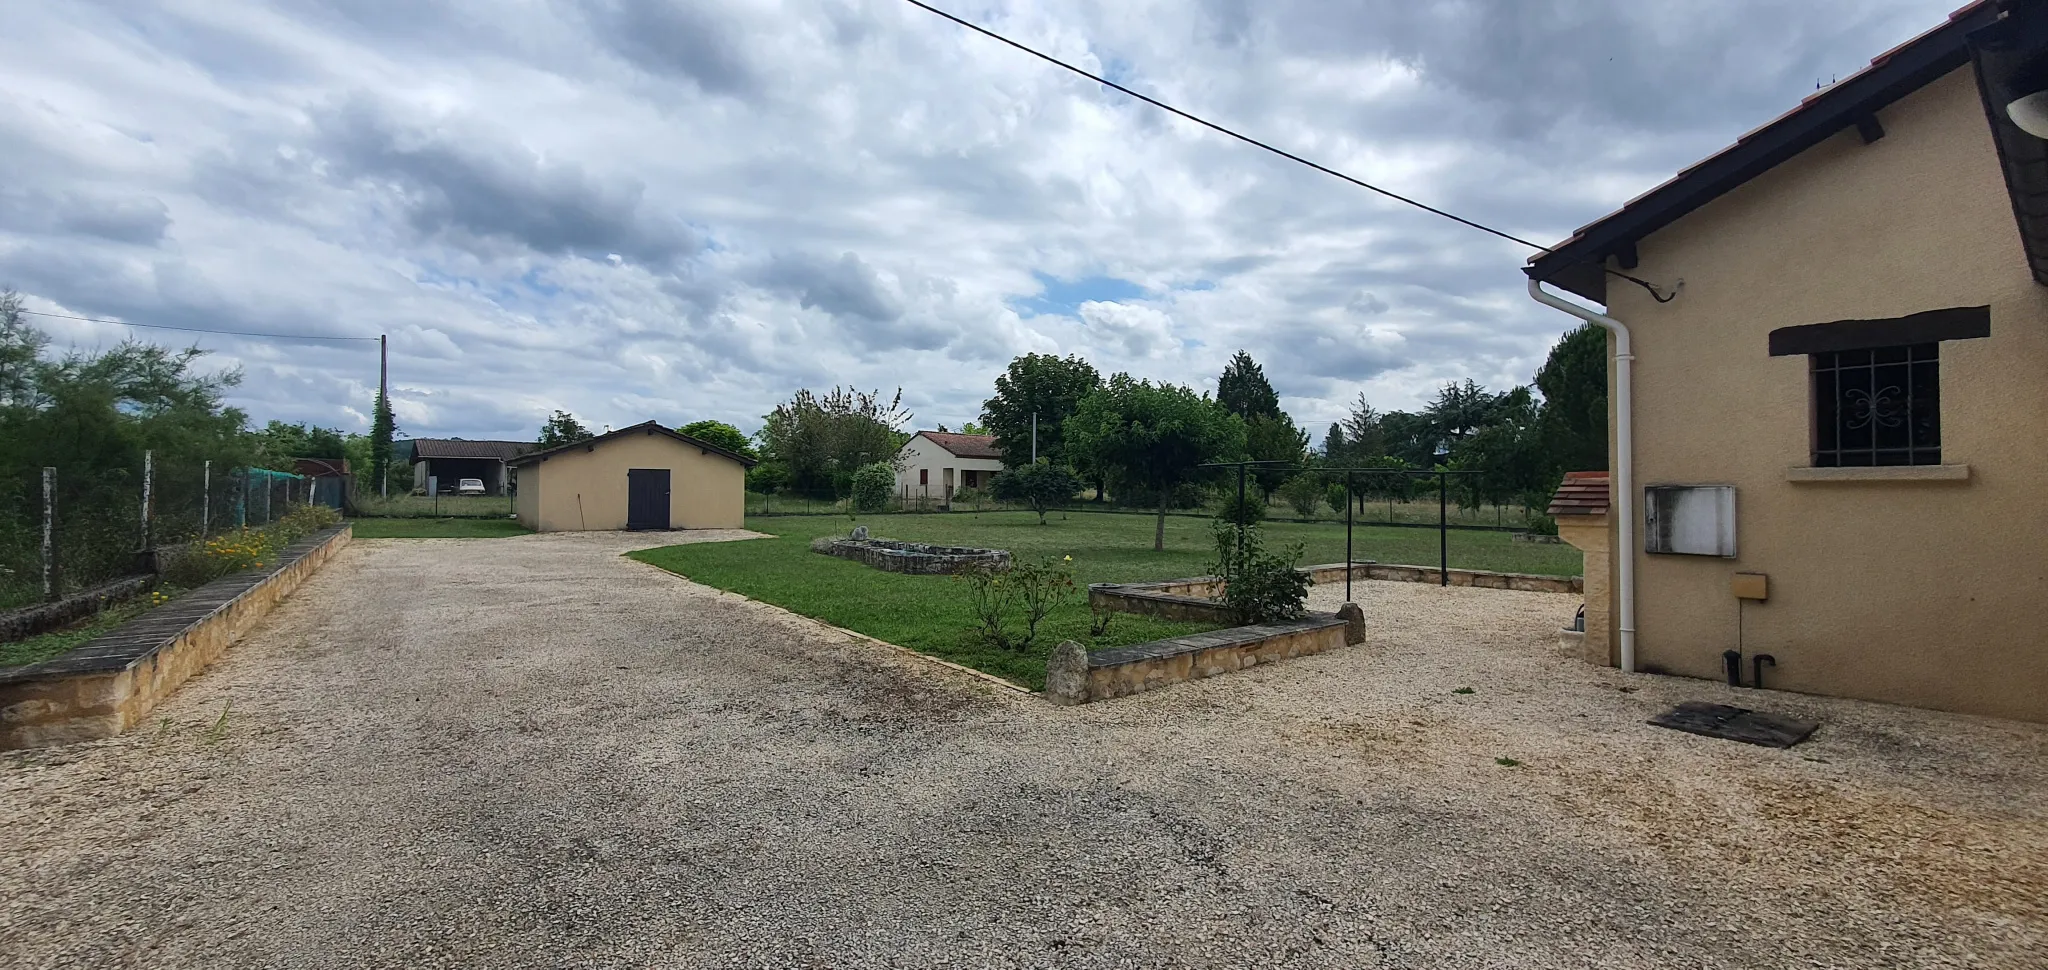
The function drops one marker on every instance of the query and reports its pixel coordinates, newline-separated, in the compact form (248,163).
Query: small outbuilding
(643,477)
(932,465)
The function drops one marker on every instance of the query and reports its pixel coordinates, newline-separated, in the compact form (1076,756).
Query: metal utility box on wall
(1689,520)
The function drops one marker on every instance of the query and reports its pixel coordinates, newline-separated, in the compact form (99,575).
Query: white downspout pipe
(1623,500)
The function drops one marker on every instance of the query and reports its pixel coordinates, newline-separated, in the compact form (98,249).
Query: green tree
(1273,437)
(721,434)
(279,444)
(1574,385)
(972,428)
(1042,384)
(1461,409)
(1043,486)
(1363,431)
(1410,437)
(1508,452)
(822,439)
(562,428)
(1244,391)
(1152,438)
(383,428)
(1336,449)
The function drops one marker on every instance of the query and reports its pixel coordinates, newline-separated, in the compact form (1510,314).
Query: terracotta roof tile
(966,445)
(1583,493)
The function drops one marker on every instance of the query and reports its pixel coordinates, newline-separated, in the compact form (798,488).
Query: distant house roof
(1853,102)
(965,445)
(320,467)
(1583,493)
(645,427)
(424,449)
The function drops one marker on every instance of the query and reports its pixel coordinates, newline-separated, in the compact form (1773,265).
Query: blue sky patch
(1064,298)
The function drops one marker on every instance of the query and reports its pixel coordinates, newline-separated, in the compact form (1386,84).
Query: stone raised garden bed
(1076,676)
(107,685)
(915,558)
(30,620)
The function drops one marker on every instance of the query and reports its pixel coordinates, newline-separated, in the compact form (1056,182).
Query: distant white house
(934,464)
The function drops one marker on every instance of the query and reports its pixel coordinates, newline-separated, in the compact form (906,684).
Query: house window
(924,476)
(1879,406)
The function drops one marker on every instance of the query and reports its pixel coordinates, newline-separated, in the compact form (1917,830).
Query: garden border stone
(1076,676)
(108,685)
(912,558)
(20,624)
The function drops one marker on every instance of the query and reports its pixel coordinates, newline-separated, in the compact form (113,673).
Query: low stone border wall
(1527,582)
(30,620)
(109,684)
(1075,676)
(1190,600)
(915,558)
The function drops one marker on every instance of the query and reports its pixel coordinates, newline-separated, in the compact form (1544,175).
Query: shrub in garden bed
(203,562)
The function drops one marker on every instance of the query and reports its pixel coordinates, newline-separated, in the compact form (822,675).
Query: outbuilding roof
(1577,264)
(424,449)
(965,445)
(645,427)
(1583,493)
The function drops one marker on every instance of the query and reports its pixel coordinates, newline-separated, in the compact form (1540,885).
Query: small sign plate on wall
(1689,520)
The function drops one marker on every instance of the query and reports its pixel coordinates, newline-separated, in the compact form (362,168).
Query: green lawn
(436,528)
(930,613)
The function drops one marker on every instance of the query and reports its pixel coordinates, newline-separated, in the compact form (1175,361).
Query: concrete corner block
(1066,674)
(1354,624)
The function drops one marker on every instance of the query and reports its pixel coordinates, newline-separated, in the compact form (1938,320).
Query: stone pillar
(1354,624)
(1590,534)
(1066,674)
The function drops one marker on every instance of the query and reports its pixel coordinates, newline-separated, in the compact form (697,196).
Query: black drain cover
(1735,724)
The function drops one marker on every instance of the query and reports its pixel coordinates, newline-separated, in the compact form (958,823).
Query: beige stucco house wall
(1932,593)
(583,487)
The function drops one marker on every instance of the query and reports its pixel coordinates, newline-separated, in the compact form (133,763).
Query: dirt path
(534,753)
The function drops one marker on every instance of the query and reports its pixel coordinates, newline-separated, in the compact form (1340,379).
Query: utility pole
(205,497)
(383,469)
(148,483)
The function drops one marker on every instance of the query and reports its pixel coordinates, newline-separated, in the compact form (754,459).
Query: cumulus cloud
(637,209)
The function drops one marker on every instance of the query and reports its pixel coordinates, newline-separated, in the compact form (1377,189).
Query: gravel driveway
(531,752)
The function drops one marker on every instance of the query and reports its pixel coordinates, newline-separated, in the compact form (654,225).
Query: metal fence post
(53,580)
(148,480)
(1443,532)
(205,497)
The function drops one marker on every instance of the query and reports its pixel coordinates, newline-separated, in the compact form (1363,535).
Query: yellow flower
(1066,559)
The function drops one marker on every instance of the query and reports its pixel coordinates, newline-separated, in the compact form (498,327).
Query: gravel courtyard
(531,752)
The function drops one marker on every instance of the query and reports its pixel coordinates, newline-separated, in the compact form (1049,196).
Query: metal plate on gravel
(1735,724)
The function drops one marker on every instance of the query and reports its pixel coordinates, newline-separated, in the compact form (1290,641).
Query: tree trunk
(1159,531)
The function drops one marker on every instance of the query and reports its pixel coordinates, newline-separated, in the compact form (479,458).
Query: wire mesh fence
(70,533)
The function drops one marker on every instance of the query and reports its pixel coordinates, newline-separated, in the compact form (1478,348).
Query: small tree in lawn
(1043,486)
(872,485)
(721,434)
(1151,438)
(1303,492)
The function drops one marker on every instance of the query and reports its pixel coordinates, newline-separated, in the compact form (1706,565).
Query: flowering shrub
(232,552)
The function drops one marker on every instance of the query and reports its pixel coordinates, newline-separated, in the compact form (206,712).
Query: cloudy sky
(680,209)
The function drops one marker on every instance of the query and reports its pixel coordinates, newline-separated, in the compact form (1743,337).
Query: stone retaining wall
(110,684)
(1479,577)
(1184,600)
(1075,676)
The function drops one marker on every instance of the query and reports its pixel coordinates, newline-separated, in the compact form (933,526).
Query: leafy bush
(1303,492)
(969,496)
(871,487)
(1042,486)
(1259,586)
(1336,497)
(993,594)
(1247,513)
(203,562)
(1542,525)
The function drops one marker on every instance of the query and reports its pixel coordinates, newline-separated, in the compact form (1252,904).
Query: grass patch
(43,646)
(929,614)
(436,528)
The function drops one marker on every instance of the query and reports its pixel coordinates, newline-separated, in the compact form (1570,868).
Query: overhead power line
(1283,153)
(165,326)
